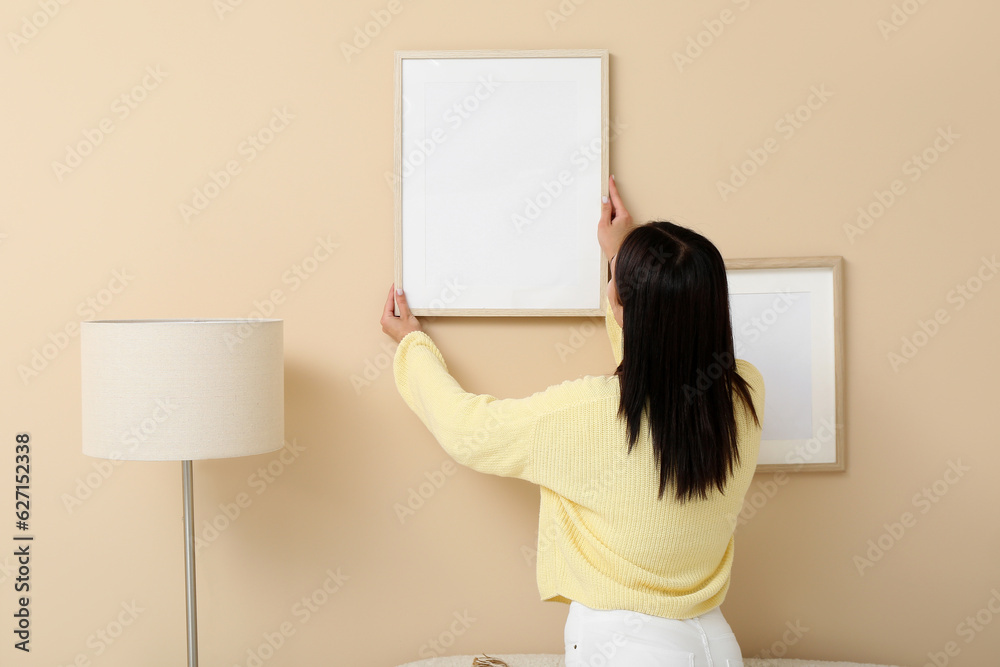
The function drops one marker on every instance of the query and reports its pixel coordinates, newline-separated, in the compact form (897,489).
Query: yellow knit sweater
(604,539)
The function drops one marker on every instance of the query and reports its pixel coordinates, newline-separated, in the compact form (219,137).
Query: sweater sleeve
(490,435)
(614,334)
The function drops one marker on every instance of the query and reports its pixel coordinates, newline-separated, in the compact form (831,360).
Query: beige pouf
(556,660)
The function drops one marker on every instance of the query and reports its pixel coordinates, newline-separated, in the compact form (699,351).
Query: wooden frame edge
(398,57)
(836,264)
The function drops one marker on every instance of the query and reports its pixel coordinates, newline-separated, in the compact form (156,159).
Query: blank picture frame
(500,162)
(787,317)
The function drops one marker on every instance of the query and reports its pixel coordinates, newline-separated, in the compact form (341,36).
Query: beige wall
(111,230)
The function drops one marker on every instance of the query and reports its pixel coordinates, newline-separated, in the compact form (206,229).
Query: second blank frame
(786,318)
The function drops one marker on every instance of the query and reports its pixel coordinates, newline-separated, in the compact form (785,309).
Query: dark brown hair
(678,365)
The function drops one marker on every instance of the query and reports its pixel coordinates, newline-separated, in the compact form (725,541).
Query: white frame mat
(787,321)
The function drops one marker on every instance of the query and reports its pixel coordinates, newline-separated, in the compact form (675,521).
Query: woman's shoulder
(578,390)
(750,373)
(744,366)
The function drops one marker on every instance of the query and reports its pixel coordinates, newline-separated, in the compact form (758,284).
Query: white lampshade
(176,390)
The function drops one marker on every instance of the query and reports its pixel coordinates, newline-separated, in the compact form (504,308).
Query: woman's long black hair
(678,362)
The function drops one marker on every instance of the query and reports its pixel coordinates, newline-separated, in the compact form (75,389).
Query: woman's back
(642,512)
(606,538)
(641,473)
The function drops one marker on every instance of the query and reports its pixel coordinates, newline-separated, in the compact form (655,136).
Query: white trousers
(622,638)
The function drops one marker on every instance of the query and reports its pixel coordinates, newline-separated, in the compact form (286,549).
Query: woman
(641,473)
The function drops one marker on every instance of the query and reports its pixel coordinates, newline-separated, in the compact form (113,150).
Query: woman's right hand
(615,222)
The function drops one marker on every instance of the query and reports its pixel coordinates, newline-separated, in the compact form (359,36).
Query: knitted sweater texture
(604,538)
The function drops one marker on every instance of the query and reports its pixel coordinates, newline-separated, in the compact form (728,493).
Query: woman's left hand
(398,327)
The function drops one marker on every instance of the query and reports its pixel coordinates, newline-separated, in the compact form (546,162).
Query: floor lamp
(182,390)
